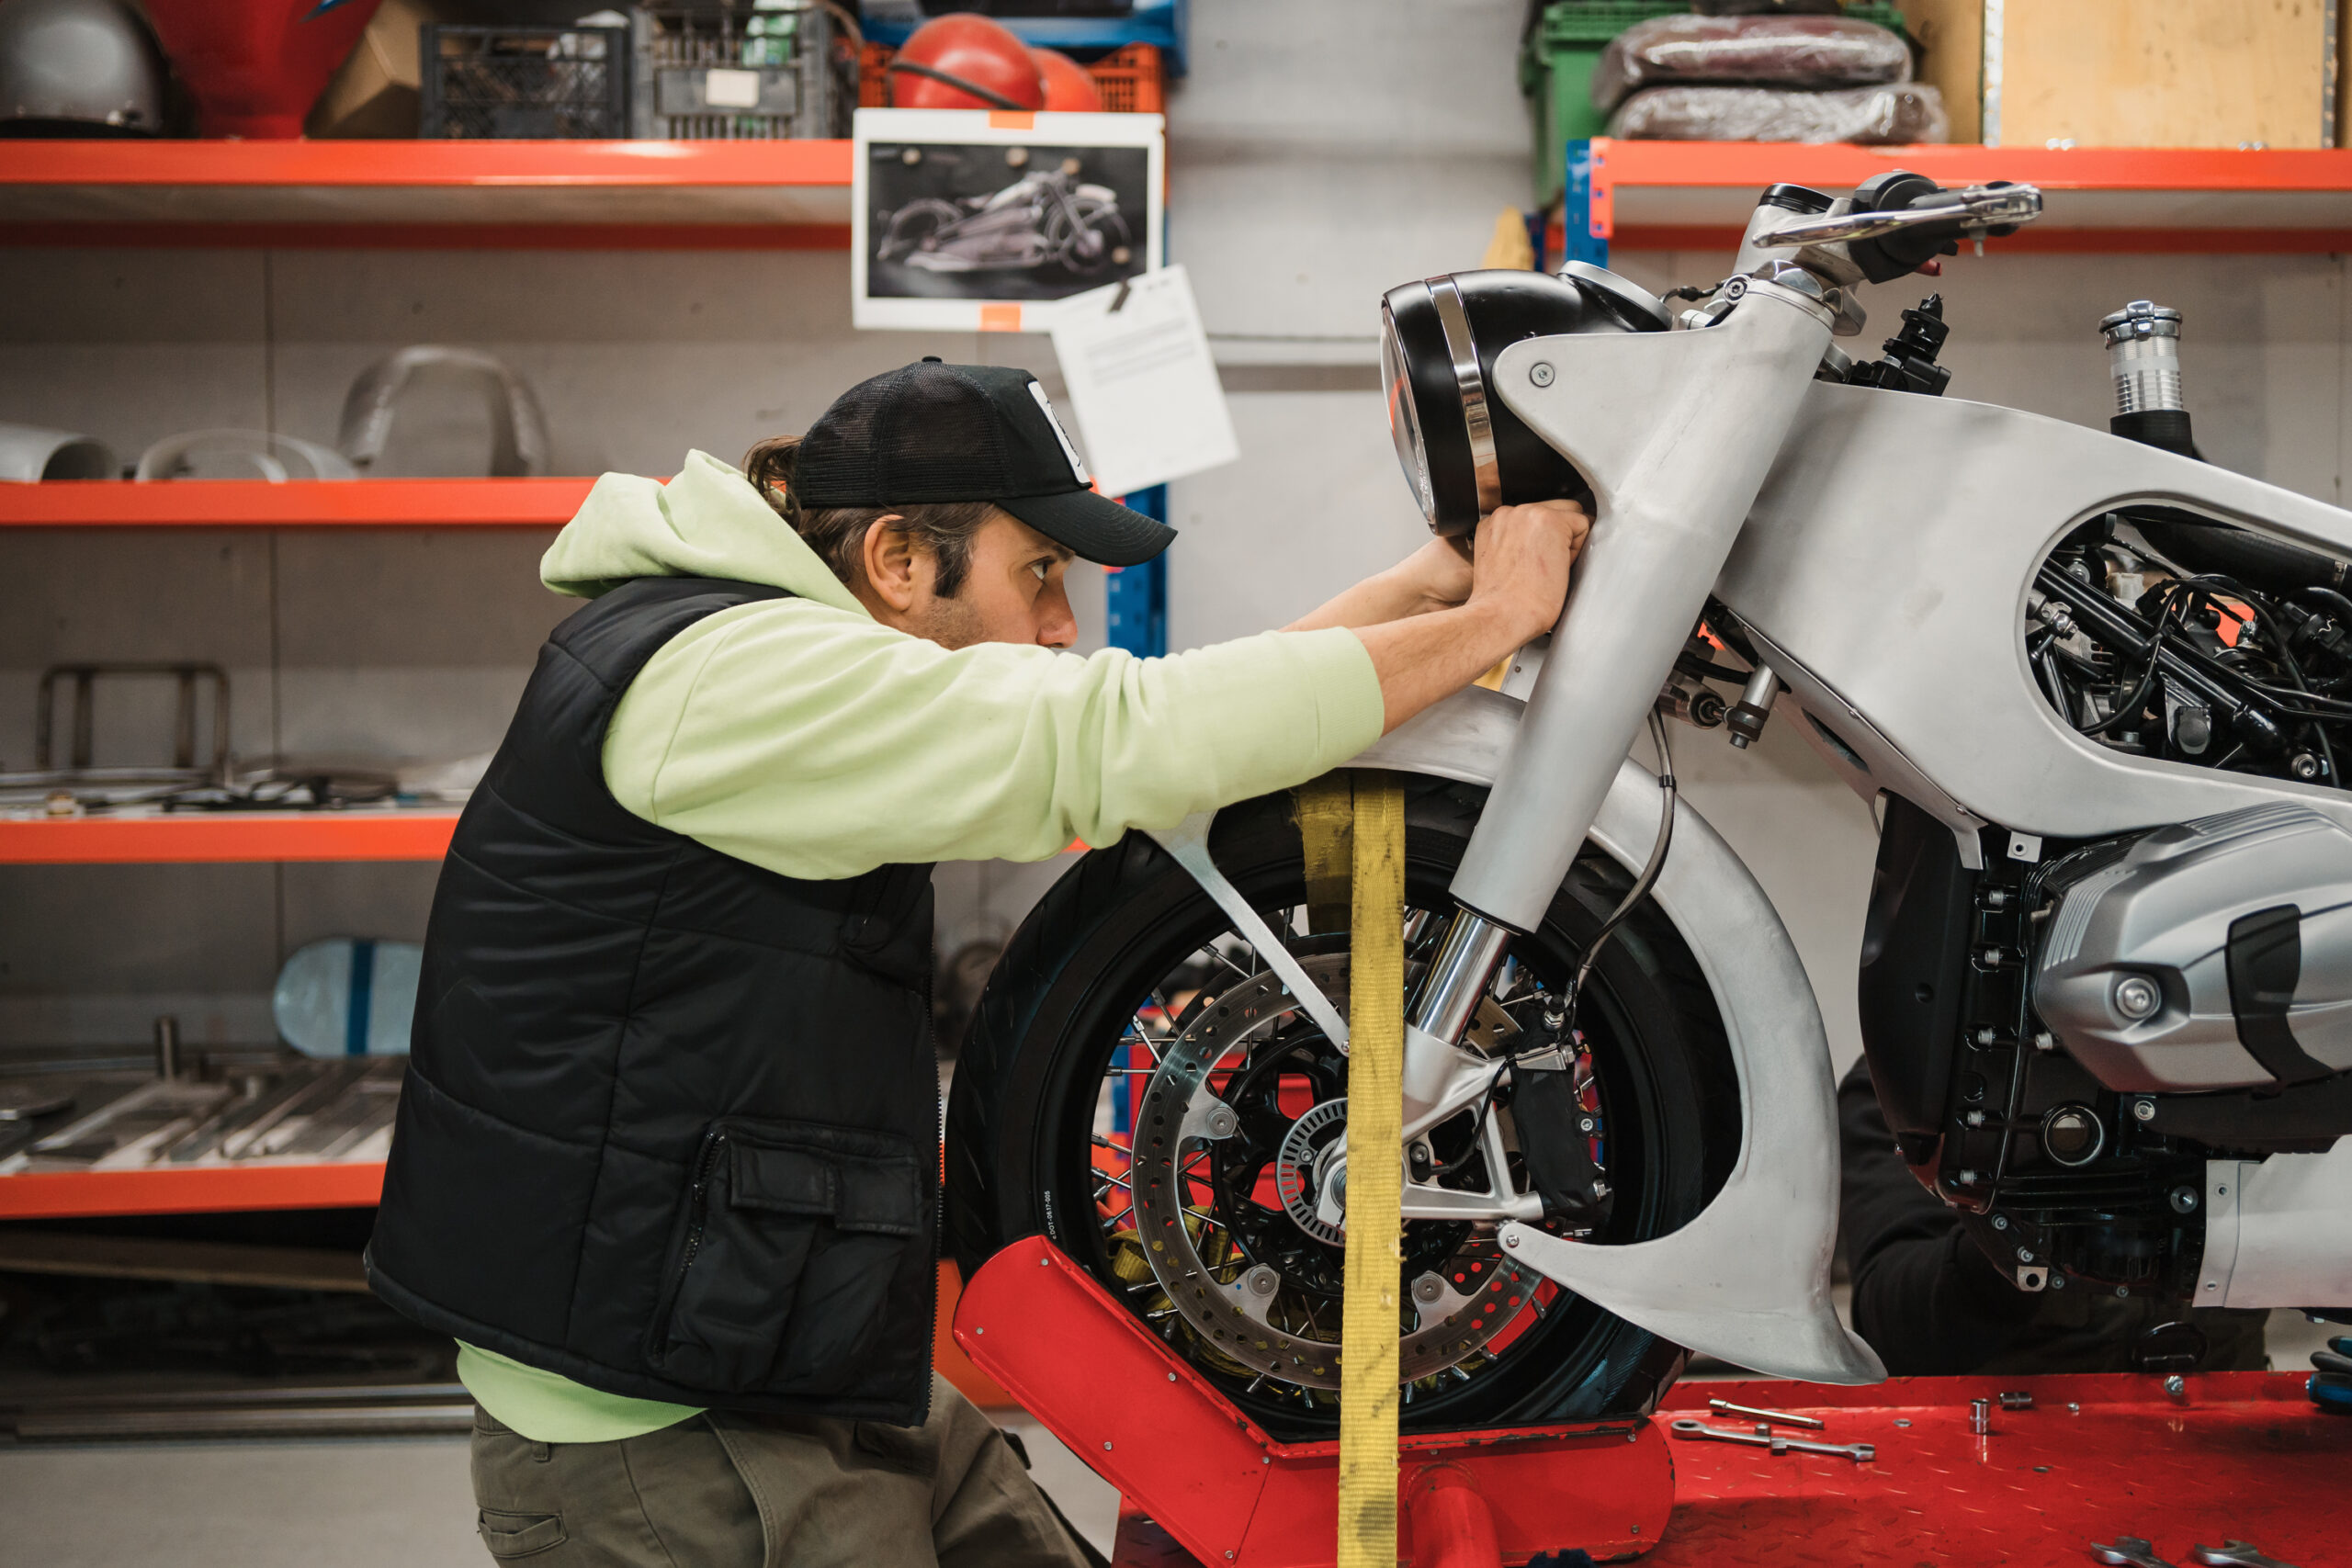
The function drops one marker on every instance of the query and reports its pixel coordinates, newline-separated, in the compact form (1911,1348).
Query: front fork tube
(1440,1077)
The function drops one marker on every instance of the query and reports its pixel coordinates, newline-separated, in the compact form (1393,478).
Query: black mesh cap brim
(1098,528)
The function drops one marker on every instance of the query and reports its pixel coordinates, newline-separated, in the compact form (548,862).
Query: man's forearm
(1387,596)
(1421,659)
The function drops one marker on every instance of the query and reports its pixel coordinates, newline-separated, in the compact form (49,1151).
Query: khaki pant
(734,1491)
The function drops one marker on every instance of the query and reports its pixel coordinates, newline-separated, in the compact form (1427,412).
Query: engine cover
(2213,954)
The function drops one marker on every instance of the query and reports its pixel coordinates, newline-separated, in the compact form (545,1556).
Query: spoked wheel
(916,227)
(1140,1088)
(1096,238)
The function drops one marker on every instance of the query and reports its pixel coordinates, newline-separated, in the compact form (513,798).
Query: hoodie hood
(707,522)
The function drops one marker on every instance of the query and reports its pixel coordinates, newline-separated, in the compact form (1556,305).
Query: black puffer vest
(670,1125)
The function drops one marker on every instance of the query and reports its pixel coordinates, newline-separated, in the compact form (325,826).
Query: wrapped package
(1902,111)
(1778,51)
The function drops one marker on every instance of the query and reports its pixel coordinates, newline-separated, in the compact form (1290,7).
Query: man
(666,1163)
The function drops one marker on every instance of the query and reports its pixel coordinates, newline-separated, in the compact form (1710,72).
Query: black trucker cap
(931,431)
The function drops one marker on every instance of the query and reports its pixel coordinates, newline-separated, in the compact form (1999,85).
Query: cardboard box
(375,94)
(2137,73)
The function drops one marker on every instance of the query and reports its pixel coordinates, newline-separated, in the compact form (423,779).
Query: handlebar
(1975,209)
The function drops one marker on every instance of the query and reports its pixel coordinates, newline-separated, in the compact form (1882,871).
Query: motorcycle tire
(1027,1090)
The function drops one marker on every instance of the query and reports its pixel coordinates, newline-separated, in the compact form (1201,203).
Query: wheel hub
(1304,1160)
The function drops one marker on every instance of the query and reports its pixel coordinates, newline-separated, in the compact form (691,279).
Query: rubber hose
(2269,565)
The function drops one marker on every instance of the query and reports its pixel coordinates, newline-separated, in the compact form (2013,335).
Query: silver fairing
(1886,565)
(2162,914)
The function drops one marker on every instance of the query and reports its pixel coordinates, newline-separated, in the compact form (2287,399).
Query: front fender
(1747,1280)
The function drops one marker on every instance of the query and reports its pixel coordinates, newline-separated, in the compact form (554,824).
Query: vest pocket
(791,1235)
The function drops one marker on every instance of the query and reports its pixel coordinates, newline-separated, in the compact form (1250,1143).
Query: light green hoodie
(803,736)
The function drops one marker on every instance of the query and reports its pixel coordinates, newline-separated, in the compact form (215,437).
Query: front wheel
(1126,977)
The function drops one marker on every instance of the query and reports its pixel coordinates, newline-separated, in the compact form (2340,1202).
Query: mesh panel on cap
(939,440)
(835,466)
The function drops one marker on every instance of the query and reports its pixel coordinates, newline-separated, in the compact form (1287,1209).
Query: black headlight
(1463,452)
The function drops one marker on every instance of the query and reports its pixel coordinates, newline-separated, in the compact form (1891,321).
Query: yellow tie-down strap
(1370,1319)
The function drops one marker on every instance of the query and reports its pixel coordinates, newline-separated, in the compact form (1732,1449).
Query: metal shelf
(298,503)
(229,838)
(1697,195)
(410,195)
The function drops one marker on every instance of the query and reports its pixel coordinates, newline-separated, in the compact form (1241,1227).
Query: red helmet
(1069,87)
(963,62)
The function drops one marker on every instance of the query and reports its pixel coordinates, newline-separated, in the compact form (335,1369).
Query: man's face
(1014,592)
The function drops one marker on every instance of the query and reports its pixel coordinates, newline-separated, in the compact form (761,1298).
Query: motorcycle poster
(986,221)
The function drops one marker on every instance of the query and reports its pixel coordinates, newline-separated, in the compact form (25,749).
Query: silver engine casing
(2162,912)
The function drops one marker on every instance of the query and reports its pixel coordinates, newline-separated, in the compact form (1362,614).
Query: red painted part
(255,67)
(972,48)
(298,503)
(368,165)
(1224,1490)
(75,1194)
(363,236)
(236,837)
(1450,1525)
(1070,88)
(2242,1456)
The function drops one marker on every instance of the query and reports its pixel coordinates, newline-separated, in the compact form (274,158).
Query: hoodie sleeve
(820,744)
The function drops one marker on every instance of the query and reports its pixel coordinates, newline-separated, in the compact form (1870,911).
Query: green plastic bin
(1555,71)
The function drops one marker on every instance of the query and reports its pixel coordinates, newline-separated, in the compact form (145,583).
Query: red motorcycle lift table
(2233,1456)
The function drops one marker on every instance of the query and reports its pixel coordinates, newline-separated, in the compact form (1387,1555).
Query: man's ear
(888,557)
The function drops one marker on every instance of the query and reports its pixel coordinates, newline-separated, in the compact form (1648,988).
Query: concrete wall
(1322,151)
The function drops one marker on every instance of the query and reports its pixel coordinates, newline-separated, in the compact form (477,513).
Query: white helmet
(78,68)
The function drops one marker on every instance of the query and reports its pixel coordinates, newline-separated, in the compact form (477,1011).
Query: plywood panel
(1952,34)
(2165,72)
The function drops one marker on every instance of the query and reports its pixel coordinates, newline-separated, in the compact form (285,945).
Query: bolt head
(2143,1111)
(2184,1200)
(1540,373)
(1511,1240)
(2175,1385)
(2137,996)
(2000,1222)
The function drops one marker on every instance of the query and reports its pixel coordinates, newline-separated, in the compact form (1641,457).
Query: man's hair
(944,528)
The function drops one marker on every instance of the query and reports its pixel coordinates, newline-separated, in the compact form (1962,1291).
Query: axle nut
(2137,996)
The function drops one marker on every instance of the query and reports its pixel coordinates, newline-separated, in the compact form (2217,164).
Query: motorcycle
(1044,217)
(2092,685)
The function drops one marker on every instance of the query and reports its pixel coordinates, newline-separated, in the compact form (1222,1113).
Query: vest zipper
(698,1203)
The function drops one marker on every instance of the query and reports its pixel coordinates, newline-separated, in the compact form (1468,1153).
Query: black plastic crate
(523,84)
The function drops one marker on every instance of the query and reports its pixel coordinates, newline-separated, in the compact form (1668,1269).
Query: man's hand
(1520,571)
(1524,554)
(1518,580)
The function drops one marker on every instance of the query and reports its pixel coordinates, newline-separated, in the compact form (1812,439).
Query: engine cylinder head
(2143,357)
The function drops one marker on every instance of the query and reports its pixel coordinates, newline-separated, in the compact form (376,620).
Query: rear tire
(1029,1083)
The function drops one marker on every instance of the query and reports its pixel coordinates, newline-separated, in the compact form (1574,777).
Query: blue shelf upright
(1578,242)
(1135,600)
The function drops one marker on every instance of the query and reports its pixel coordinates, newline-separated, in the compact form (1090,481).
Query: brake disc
(1235,1302)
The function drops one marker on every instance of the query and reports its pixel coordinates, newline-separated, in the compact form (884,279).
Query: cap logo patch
(1045,407)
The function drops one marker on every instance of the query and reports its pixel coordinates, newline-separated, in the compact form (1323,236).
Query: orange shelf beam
(446,164)
(298,503)
(1697,195)
(618,195)
(78,1194)
(228,837)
